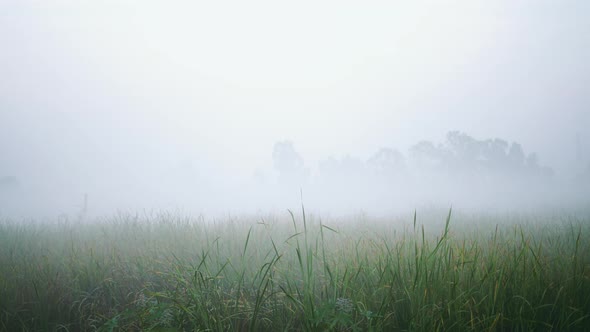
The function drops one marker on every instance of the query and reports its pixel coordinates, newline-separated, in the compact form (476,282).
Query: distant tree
(466,153)
(288,162)
(516,156)
(495,153)
(285,158)
(465,147)
(532,161)
(462,154)
(425,155)
(386,161)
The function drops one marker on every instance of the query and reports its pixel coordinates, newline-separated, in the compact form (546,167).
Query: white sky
(108,85)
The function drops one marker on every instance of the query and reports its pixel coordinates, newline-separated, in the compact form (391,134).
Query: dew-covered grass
(446,272)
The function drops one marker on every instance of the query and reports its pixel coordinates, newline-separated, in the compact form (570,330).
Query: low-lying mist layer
(460,171)
(436,271)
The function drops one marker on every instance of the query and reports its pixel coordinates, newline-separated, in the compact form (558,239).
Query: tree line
(459,156)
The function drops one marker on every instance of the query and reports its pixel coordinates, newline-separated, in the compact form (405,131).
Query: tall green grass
(296,272)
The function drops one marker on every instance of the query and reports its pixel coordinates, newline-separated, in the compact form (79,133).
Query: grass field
(442,271)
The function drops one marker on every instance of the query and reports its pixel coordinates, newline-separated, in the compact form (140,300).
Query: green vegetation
(170,273)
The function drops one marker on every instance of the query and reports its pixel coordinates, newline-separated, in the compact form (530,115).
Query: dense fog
(255,107)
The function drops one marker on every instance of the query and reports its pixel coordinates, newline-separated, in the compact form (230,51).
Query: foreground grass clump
(169,273)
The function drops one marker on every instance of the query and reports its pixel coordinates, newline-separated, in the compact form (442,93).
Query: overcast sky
(137,87)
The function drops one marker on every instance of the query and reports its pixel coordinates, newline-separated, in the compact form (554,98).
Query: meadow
(437,271)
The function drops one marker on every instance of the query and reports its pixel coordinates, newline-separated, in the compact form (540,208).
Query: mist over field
(417,165)
(255,107)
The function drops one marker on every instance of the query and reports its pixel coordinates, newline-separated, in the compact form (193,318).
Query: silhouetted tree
(532,161)
(465,147)
(425,155)
(462,155)
(516,156)
(288,163)
(387,162)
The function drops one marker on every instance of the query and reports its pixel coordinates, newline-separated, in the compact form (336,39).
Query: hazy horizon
(149,105)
